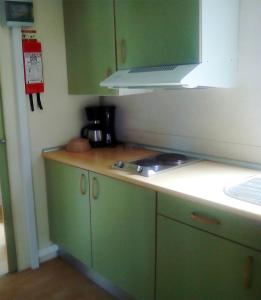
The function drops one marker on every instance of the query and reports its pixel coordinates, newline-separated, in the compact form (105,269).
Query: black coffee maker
(108,121)
(100,129)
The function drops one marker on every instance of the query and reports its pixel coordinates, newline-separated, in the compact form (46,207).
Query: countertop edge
(120,175)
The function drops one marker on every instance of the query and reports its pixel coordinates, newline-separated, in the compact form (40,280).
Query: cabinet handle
(108,72)
(95,188)
(83,184)
(203,219)
(247,272)
(122,51)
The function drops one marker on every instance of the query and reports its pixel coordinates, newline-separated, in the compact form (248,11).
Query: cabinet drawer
(217,221)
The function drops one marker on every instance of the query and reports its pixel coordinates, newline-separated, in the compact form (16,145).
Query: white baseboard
(48,253)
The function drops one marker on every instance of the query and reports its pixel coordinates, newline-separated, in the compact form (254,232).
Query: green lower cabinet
(69,209)
(123,232)
(193,264)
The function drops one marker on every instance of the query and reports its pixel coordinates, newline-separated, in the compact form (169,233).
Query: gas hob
(153,165)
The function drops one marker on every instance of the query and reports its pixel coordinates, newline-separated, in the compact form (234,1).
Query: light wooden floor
(54,280)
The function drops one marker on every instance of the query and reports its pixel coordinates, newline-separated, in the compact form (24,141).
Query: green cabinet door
(90,45)
(193,264)
(6,198)
(2,135)
(123,231)
(69,209)
(152,32)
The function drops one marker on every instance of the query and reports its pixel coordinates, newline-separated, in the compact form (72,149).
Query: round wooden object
(78,145)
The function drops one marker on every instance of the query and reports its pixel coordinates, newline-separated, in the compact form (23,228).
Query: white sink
(248,190)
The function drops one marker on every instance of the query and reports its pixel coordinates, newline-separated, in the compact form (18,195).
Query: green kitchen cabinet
(123,234)
(103,36)
(152,32)
(193,264)
(2,135)
(5,195)
(90,45)
(69,209)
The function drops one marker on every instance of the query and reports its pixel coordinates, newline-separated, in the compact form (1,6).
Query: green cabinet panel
(229,225)
(193,264)
(69,209)
(90,45)
(123,234)
(2,135)
(152,32)
(7,209)
(6,199)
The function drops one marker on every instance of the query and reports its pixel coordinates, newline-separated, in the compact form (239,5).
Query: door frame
(6,199)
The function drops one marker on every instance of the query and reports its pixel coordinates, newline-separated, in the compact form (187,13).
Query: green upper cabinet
(69,209)
(193,264)
(123,234)
(152,32)
(105,35)
(90,45)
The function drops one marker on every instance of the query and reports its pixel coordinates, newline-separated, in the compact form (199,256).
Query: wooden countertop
(202,181)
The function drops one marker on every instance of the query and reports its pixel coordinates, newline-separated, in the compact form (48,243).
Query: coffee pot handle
(84,132)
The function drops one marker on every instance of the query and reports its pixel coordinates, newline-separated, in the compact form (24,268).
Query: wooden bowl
(78,145)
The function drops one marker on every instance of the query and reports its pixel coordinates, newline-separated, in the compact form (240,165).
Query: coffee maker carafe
(93,130)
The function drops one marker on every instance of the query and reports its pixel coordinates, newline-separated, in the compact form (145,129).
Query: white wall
(63,115)
(218,122)
(61,119)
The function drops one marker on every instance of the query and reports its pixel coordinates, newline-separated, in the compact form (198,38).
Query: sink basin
(248,190)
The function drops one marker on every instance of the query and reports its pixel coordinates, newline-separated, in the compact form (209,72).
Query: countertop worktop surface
(202,181)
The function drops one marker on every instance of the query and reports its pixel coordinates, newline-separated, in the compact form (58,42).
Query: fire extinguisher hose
(39,101)
(31,102)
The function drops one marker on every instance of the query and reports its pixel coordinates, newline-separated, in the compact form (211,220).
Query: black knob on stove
(139,169)
(119,164)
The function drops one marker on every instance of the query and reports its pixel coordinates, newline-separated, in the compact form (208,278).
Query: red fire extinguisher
(33,67)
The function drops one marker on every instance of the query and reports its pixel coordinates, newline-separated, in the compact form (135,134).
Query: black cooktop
(166,159)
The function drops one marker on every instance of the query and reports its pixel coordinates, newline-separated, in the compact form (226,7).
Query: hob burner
(171,159)
(146,162)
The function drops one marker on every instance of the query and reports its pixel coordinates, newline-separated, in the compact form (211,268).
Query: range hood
(172,77)
(218,61)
